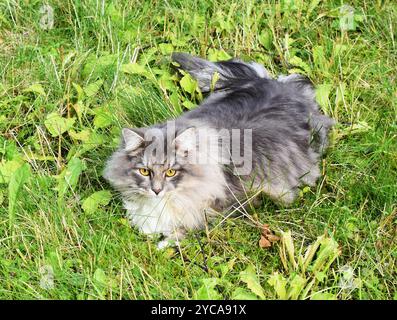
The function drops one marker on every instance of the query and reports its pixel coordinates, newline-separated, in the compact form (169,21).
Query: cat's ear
(132,139)
(186,140)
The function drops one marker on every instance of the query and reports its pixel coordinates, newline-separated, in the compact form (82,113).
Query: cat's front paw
(172,240)
(166,243)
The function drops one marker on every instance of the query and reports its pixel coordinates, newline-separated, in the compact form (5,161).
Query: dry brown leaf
(273,238)
(266,229)
(264,243)
(267,237)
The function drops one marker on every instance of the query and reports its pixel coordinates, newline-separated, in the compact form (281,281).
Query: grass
(65,93)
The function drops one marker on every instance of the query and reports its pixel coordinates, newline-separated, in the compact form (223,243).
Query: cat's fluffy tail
(218,75)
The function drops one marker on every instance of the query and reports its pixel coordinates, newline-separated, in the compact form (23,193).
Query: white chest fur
(151,215)
(167,214)
(184,208)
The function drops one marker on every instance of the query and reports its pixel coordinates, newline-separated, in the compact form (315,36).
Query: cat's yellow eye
(170,172)
(144,171)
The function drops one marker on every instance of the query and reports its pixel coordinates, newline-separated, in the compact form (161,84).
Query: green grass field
(69,84)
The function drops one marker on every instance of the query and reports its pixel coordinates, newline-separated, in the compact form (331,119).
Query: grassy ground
(66,91)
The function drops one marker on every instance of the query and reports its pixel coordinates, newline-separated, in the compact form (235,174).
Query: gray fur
(288,136)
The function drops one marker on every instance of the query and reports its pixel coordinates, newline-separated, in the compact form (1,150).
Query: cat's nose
(156,190)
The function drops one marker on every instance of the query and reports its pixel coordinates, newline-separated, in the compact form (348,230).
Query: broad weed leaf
(80,109)
(322,96)
(103,117)
(319,58)
(296,286)
(298,62)
(92,89)
(251,279)
(313,4)
(218,55)
(18,179)
(134,68)
(309,254)
(323,296)
(83,135)
(79,90)
(207,291)
(36,89)
(97,67)
(7,169)
(188,104)
(99,198)
(100,277)
(266,39)
(288,248)
(70,176)
(242,294)
(279,283)
(101,282)
(188,84)
(328,252)
(166,48)
(57,125)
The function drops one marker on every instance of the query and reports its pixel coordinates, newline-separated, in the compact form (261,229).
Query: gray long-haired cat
(251,134)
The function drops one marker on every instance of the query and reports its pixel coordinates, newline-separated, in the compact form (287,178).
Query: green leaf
(80,109)
(188,104)
(18,179)
(7,169)
(100,277)
(79,90)
(319,58)
(94,140)
(214,80)
(322,95)
(99,198)
(70,176)
(92,89)
(289,248)
(242,294)
(217,55)
(340,94)
(103,118)
(328,252)
(339,49)
(35,88)
(296,286)
(57,125)
(188,83)
(100,281)
(266,39)
(313,4)
(355,128)
(298,62)
(279,283)
(99,67)
(310,252)
(207,291)
(250,278)
(323,296)
(320,276)
(83,135)
(166,48)
(134,68)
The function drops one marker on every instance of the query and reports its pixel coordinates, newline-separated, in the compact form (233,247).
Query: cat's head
(153,161)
